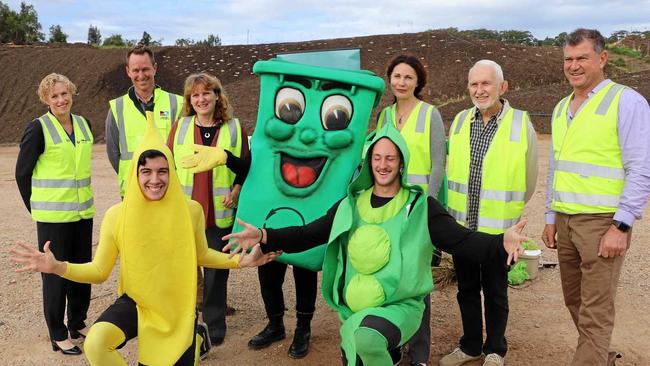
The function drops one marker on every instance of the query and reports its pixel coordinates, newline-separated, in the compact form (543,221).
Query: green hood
(365,179)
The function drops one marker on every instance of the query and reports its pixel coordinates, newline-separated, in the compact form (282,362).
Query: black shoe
(75,334)
(74,351)
(300,345)
(270,334)
(216,341)
(206,341)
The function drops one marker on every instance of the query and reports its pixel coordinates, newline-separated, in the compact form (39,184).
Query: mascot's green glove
(204,159)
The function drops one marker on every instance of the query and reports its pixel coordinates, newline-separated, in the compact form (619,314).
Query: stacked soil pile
(534,73)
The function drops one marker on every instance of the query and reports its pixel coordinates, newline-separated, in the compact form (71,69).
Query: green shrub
(619,62)
(622,50)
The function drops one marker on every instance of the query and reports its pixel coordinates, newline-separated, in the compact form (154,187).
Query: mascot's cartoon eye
(336,112)
(289,105)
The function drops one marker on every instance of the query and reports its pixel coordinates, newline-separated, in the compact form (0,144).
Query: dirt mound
(534,73)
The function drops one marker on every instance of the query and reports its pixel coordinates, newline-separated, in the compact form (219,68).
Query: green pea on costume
(377,260)
(312,119)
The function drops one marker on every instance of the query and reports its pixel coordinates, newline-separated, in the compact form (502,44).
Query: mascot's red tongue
(298,176)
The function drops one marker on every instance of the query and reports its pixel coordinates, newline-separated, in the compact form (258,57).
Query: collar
(505,107)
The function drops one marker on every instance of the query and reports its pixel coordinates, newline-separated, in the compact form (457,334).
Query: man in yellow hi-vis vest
(491,172)
(126,122)
(597,186)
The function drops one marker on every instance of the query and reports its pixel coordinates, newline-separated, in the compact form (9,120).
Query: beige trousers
(588,284)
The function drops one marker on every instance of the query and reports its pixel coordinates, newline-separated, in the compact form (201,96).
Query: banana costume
(158,243)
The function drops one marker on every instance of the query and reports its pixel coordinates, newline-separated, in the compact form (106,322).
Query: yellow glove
(206,158)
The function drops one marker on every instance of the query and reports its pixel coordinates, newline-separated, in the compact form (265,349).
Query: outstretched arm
(96,271)
(456,239)
(292,239)
(34,261)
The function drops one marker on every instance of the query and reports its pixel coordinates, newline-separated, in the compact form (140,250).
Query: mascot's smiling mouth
(301,172)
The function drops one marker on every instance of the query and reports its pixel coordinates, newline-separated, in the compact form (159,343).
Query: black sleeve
(32,145)
(458,240)
(239,166)
(295,239)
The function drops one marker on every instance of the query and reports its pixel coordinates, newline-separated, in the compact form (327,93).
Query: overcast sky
(269,21)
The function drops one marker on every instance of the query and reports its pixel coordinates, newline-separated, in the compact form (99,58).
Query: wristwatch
(621,226)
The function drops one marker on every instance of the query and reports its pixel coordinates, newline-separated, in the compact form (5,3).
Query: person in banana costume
(159,236)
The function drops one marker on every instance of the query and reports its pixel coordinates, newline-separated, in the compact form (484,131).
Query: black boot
(273,332)
(300,345)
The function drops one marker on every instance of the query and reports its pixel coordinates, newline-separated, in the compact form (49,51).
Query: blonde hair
(48,83)
(222,111)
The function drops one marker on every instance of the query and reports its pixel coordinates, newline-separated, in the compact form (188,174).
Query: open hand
(204,159)
(512,240)
(256,257)
(33,260)
(244,240)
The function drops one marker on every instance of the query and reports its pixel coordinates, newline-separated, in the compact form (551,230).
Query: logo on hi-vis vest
(164,115)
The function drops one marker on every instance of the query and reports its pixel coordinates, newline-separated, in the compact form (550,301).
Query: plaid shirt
(480,138)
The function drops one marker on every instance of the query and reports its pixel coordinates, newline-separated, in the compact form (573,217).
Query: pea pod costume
(312,118)
(377,261)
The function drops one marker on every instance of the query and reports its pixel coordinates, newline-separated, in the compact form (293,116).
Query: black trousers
(271,276)
(420,343)
(215,288)
(493,279)
(123,313)
(72,242)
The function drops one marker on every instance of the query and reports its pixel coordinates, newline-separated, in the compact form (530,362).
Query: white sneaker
(456,358)
(493,359)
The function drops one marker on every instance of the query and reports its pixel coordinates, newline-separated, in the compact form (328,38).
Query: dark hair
(416,65)
(582,34)
(149,154)
(140,50)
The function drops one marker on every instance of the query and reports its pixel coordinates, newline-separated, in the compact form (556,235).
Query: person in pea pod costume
(312,118)
(376,270)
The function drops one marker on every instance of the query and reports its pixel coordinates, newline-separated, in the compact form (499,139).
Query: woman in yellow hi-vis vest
(53,176)
(208,121)
(421,126)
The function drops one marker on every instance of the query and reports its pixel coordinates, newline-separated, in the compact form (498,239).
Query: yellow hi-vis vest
(417,133)
(61,190)
(131,125)
(588,169)
(503,175)
(229,138)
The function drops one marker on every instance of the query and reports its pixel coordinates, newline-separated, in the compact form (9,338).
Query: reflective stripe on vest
(61,190)
(166,110)
(222,177)
(416,131)
(588,172)
(503,190)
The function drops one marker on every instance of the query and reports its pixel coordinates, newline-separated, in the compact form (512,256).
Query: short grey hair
(495,66)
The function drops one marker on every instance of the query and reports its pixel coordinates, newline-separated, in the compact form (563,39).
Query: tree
(5,22)
(114,40)
(20,28)
(184,42)
(94,36)
(146,39)
(211,41)
(57,35)
(517,37)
